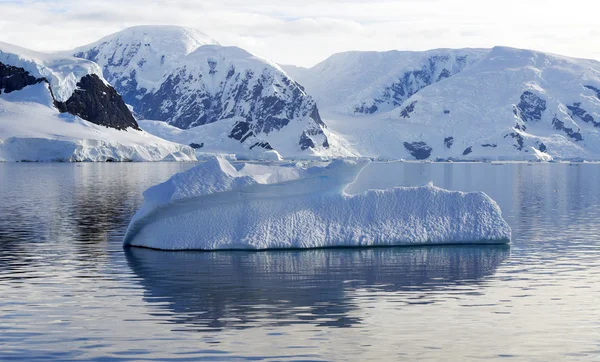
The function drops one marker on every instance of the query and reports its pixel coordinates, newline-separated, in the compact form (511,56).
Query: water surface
(68,290)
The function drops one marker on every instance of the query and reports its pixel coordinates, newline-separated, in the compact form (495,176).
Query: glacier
(218,205)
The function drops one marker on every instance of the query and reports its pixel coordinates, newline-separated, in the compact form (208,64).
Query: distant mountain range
(466,104)
(457,104)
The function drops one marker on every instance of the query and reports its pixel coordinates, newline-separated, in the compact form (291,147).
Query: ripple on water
(69,291)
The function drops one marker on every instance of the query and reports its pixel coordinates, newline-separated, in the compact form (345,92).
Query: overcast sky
(304,32)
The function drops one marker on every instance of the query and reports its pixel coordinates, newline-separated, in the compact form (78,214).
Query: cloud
(306,32)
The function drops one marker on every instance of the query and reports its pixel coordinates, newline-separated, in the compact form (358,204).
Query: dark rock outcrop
(560,126)
(468,150)
(412,81)
(521,127)
(15,78)
(448,141)
(264,114)
(531,107)
(363,108)
(241,131)
(98,103)
(492,145)
(196,145)
(518,139)
(596,90)
(222,83)
(93,100)
(263,144)
(445,73)
(577,111)
(405,113)
(306,142)
(419,150)
(542,147)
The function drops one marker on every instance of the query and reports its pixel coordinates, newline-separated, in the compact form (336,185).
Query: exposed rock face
(433,69)
(596,90)
(577,111)
(181,77)
(367,82)
(419,150)
(448,141)
(542,147)
(241,131)
(184,100)
(93,101)
(263,145)
(98,103)
(530,107)
(518,139)
(15,78)
(560,126)
(467,150)
(405,113)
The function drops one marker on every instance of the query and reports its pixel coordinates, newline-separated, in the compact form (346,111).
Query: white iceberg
(217,206)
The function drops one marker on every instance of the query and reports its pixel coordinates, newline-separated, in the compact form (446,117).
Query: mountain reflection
(218,290)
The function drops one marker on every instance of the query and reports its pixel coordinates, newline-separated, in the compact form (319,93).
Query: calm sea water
(68,290)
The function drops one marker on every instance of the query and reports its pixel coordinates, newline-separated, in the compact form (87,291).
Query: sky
(305,32)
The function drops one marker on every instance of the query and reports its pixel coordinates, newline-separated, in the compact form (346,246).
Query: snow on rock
(63,72)
(59,108)
(367,82)
(498,107)
(137,58)
(212,139)
(541,156)
(32,129)
(88,97)
(217,205)
(180,76)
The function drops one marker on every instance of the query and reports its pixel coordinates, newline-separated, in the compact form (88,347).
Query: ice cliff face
(186,79)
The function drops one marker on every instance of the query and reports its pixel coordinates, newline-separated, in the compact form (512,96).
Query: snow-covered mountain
(59,108)
(181,76)
(375,82)
(501,103)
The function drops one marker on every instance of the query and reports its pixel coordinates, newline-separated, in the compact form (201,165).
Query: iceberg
(221,206)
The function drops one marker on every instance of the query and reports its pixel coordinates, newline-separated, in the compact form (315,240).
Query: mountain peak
(162,38)
(148,49)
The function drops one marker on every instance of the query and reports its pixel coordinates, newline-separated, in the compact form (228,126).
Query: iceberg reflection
(220,290)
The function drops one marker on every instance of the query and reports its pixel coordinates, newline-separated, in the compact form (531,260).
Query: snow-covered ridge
(367,82)
(63,72)
(213,139)
(514,103)
(186,80)
(32,129)
(217,205)
(142,54)
(505,103)
(59,108)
